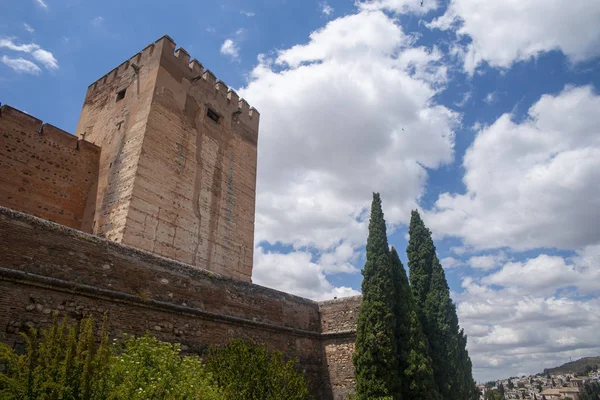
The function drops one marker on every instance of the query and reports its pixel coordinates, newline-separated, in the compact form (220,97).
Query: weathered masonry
(45,171)
(147,213)
(48,269)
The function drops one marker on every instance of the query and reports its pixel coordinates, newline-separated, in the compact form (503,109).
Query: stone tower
(178,161)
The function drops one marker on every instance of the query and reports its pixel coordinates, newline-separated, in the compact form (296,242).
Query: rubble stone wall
(338,327)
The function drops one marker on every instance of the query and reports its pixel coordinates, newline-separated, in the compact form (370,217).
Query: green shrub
(67,362)
(247,371)
(146,368)
(62,362)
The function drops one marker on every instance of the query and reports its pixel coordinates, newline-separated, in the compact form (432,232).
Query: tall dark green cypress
(442,329)
(420,253)
(451,363)
(415,366)
(376,356)
(468,385)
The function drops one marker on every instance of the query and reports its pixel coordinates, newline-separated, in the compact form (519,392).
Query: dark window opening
(121,95)
(212,115)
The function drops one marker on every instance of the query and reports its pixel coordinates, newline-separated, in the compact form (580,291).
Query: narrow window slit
(213,115)
(121,95)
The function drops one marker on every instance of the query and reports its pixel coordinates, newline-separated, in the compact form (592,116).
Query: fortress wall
(45,171)
(47,269)
(338,325)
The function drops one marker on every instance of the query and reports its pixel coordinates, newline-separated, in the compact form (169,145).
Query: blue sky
(483,115)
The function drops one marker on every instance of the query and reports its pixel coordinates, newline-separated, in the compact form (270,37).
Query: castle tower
(178,160)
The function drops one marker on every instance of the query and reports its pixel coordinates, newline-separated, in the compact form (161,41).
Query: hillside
(573,366)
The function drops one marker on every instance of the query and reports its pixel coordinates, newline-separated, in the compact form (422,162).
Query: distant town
(580,382)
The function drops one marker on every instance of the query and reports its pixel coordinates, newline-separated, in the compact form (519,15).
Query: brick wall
(45,171)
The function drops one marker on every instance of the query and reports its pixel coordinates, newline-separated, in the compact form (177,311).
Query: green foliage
(376,355)
(146,368)
(448,345)
(591,391)
(415,365)
(67,362)
(247,371)
(63,362)
(420,253)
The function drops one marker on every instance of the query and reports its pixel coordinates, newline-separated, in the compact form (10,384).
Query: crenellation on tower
(183,56)
(209,77)
(196,68)
(254,114)
(178,163)
(233,98)
(45,171)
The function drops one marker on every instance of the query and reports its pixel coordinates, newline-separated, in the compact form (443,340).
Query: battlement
(45,171)
(47,131)
(191,70)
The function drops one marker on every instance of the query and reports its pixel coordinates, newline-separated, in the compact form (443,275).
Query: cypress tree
(440,327)
(376,356)
(469,387)
(420,253)
(451,363)
(416,371)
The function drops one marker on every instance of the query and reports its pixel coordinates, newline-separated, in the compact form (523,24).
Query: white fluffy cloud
(9,43)
(295,273)
(348,113)
(529,322)
(504,32)
(28,27)
(21,65)
(487,261)
(451,262)
(548,273)
(45,57)
(230,48)
(533,183)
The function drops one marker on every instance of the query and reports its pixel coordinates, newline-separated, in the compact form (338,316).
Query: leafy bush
(66,362)
(247,371)
(146,368)
(61,363)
